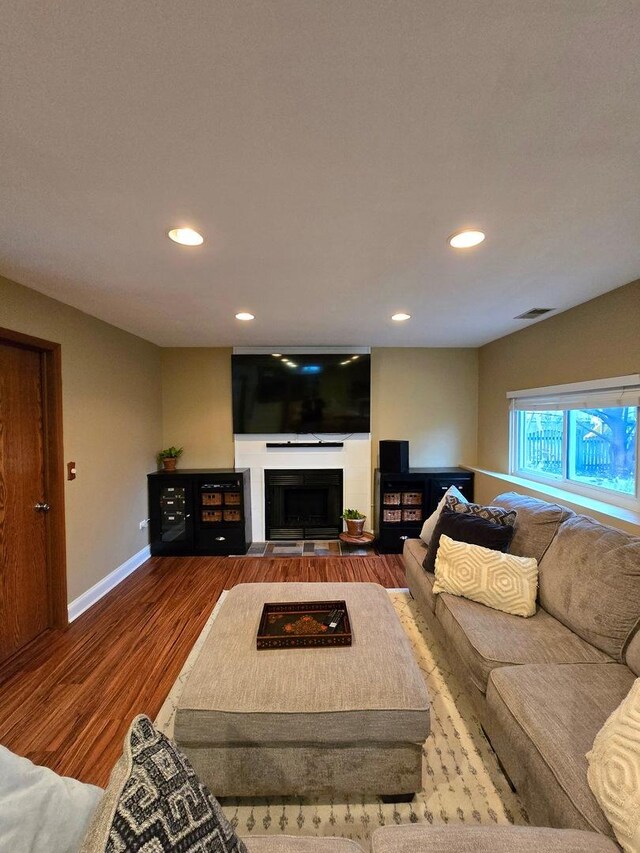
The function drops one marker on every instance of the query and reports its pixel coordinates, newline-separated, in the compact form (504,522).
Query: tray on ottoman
(301,625)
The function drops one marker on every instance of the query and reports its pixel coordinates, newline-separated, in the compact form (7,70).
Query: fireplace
(303,504)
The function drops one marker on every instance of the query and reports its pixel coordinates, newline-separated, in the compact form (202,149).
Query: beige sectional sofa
(543,687)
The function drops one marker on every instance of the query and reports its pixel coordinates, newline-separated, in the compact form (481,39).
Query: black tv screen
(301,393)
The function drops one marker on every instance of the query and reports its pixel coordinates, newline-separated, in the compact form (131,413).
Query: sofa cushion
(487,839)
(536,523)
(614,770)
(590,581)
(485,638)
(155,801)
(302,844)
(419,581)
(467,528)
(502,581)
(40,811)
(542,721)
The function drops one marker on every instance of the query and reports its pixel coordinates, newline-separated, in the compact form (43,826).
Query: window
(582,437)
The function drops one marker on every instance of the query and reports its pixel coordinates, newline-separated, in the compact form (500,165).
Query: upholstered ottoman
(303,721)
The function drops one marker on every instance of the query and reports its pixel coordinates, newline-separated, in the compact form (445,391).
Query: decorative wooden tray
(300,625)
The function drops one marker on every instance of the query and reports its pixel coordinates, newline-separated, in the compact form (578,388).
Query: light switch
(71,470)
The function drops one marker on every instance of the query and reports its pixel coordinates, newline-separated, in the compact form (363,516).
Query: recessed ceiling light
(466,239)
(399,318)
(354,357)
(186,237)
(244,315)
(276,354)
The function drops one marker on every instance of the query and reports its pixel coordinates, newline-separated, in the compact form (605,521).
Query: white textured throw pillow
(430,523)
(498,580)
(614,770)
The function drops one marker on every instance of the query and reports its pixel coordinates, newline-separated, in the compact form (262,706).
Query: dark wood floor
(68,700)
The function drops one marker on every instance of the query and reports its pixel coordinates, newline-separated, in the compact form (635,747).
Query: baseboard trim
(83,602)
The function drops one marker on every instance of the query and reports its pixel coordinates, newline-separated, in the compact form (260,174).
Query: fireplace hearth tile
(307,548)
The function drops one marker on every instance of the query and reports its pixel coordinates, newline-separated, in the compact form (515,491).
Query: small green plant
(169,453)
(352,515)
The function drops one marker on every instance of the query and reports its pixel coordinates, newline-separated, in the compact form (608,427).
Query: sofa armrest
(488,839)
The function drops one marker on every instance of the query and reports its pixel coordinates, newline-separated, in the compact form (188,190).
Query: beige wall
(595,340)
(112,428)
(124,398)
(430,397)
(196,405)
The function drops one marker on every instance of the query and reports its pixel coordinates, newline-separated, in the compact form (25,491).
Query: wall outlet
(144,523)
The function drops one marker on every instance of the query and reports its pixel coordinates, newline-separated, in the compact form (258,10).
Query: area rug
(462,782)
(308,548)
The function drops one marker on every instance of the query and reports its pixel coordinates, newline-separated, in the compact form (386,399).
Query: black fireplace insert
(303,504)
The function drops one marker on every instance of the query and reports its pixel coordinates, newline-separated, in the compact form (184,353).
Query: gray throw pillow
(496,514)
(155,801)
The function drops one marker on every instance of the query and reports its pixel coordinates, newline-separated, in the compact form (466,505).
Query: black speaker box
(394,457)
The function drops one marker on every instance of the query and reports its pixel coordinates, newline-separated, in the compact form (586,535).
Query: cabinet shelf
(200,512)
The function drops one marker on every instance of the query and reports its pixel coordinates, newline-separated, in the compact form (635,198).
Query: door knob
(42,507)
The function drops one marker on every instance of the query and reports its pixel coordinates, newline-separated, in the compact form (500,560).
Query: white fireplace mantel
(354,457)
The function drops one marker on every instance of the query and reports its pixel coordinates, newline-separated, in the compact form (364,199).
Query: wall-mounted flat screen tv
(328,393)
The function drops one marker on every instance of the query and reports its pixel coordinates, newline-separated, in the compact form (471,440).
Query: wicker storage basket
(412,515)
(211,498)
(392,515)
(412,498)
(211,515)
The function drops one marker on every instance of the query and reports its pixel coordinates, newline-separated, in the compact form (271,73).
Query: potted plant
(169,457)
(355,521)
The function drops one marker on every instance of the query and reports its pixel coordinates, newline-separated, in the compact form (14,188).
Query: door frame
(51,377)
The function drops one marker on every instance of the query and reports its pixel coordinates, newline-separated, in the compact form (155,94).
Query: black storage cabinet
(403,501)
(200,511)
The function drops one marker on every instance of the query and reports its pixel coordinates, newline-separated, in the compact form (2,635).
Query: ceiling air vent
(532,313)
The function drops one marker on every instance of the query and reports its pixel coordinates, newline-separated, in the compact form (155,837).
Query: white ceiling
(325,149)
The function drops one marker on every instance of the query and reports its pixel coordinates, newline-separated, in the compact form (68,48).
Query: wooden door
(24,578)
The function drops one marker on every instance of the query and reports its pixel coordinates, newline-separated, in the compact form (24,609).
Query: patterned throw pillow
(498,580)
(614,769)
(496,514)
(155,802)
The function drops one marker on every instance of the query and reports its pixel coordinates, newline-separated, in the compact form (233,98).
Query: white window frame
(618,391)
